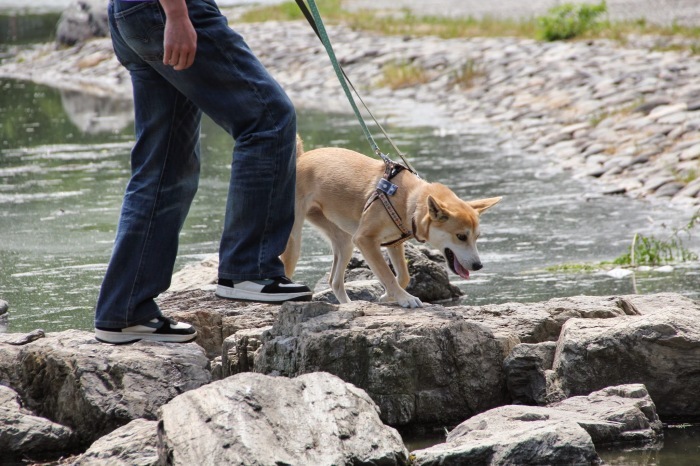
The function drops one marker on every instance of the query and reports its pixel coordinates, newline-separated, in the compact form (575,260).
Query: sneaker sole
(277,298)
(119,338)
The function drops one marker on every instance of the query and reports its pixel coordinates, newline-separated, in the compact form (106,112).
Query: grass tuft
(466,74)
(649,250)
(400,75)
(569,20)
(565,21)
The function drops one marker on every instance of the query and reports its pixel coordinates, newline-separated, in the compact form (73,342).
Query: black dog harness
(386,188)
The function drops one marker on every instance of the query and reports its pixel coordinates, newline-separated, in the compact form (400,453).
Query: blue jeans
(230,85)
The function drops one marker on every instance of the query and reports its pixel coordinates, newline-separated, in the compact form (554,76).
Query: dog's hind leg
(290,256)
(398,260)
(341,244)
(342,252)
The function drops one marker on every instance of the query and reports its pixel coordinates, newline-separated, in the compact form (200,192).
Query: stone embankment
(333,384)
(626,114)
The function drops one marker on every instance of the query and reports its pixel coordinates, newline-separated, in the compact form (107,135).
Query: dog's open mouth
(454,264)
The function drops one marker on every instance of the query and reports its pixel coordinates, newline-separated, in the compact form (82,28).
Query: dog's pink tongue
(461,271)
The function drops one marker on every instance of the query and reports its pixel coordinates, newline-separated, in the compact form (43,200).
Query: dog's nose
(477,266)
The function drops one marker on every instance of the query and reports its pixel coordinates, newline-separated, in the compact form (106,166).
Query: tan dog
(332,187)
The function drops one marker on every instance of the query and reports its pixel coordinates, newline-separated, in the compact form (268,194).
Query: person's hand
(180,38)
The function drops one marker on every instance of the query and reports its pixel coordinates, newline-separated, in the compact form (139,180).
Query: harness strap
(405,234)
(391,170)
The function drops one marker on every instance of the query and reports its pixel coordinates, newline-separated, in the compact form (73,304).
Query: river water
(64,163)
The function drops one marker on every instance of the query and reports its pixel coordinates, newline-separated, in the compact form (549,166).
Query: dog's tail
(300,146)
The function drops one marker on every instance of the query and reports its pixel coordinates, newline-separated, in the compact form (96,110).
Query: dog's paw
(410,301)
(405,300)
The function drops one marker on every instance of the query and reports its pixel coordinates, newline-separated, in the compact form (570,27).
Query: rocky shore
(317,383)
(625,115)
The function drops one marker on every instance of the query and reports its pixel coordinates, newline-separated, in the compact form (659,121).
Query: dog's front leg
(371,251)
(398,260)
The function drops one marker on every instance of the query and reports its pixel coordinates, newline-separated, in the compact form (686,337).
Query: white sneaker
(158,329)
(273,290)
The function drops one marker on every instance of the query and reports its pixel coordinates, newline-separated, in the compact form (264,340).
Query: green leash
(314,19)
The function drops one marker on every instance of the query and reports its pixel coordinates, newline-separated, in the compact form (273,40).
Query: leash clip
(387,187)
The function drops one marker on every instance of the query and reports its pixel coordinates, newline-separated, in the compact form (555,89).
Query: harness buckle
(387,187)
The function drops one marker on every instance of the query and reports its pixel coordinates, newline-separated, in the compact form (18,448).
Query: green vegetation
(402,23)
(568,20)
(286,11)
(466,74)
(582,19)
(574,268)
(403,74)
(649,250)
(644,250)
(688,175)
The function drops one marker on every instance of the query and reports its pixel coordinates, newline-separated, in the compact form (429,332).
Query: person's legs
(227,82)
(164,179)
(230,85)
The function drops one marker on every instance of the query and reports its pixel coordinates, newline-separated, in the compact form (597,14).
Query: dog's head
(452,226)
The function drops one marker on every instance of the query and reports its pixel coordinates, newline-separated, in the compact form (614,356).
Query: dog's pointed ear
(483,204)
(436,210)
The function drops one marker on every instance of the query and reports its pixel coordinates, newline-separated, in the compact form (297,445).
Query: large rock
(430,281)
(625,413)
(135,444)
(538,322)
(4,306)
(22,433)
(663,302)
(526,372)
(215,318)
(94,388)
(370,290)
(425,367)
(660,349)
(239,351)
(562,433)
(512,435)
(256,419)
(82,20)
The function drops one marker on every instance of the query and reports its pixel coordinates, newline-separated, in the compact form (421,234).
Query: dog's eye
(461,237)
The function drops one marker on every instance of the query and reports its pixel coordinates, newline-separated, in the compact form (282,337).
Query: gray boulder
(430,281)
(256,419)
(135,444)
(22,433)
(358,290)
(4,306)
(94,388)
(621,414)
(426,367)
(215,318)
(538,322)
(562,433)
(239,350)
(526,372)
(660,349)
(512,435)
(663,302)
(82,20)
